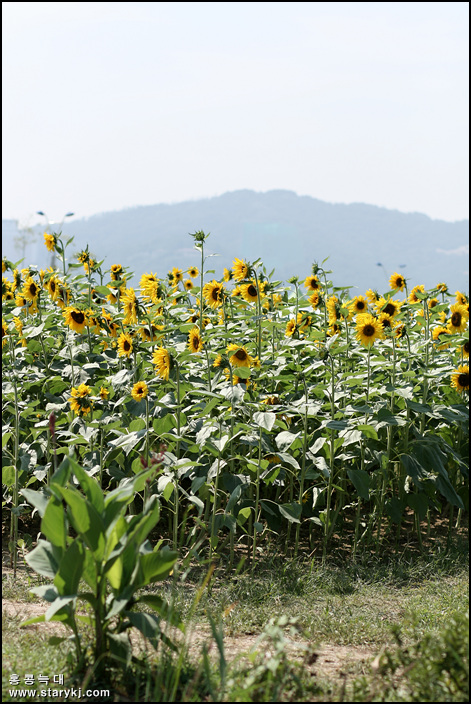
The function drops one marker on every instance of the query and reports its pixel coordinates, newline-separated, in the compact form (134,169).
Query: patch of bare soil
(325,660)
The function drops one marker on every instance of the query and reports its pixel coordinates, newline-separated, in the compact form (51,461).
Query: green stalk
(332,452)
(259,317)
(358,511)
(388,450)
(303,471)
(213,535)
(16,488)
(257,498)
(177,452)
(201,286)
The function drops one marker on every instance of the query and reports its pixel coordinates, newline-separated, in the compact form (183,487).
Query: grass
(394,609)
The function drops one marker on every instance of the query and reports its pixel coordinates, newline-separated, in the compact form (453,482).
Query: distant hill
(287,231)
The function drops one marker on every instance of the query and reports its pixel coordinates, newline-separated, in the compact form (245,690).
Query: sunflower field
(249,409)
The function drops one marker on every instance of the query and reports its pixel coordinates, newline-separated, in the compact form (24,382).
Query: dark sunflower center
(399,282)
(241,355)
(466,347)
(215,294)
(360,305)
(33,289)
(368,330)
(463,380)
(78,317)
(53,286)
(390,309)
(456,319)
(433,303)
(252,291)
(126,345)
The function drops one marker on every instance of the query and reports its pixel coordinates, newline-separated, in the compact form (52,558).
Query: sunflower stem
(332,452)
(303,470)
(257,498)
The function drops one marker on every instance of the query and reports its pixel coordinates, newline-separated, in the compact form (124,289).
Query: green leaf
(156,566)
(43,559)
(361,481)
(70,569)
(368,431)
(85,520)
(147,624)
(285,439)
(165,610)
(39,499)
(264,419)
(53,523)
(292,512)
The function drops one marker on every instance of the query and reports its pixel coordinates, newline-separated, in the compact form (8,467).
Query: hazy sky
(108,105)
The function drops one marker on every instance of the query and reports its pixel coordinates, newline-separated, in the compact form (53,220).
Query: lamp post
(48,225)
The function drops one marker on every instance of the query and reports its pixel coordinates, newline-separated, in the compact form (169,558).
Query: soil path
(325,660)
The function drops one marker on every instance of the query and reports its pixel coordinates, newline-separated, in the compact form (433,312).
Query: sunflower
(271,401)
(290,327)
(124,345)
(30,289)
(304,321)
(146,283)
(436,332)
(397,281)
(16,283)
(433,302)
(213,293)
(359,305)
(4,332)
(79,401)
(192,272)
(227,274)
(50,242)
(151,334)
(413,294)
(163,362)
(195,343)
(459,318)
(104,393)
(240,269)
(237,292)
(461,298)
(460,379)
(388,306)
(63,297)
(177,275)
(75,319)
(443,288)
(240,356)
(249,292)
(369,329)
(465,349)
(22,302)
(130,305)
(387,323)
(188,284)
(312,283)
(372,295)
(333,309)
(315,300)
(139,391)
(116,272)
(53,287)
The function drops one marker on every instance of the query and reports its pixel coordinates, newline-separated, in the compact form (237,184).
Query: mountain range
(364,244)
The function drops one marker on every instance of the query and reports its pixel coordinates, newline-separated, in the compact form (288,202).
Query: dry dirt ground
(325,660)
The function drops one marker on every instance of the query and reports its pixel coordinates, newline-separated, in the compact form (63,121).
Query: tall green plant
(104,565)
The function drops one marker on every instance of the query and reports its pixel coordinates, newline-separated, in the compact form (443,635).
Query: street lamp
(48,225)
